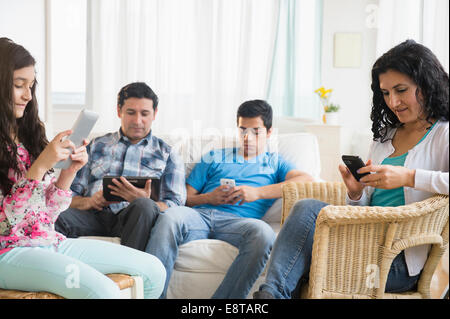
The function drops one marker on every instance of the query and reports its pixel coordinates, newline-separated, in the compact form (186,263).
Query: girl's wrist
(36,171)
(65,179)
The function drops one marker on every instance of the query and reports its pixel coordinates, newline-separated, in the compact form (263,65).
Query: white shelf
(330,147)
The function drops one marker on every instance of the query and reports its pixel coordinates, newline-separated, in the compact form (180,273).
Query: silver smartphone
(230,183)
(80,131)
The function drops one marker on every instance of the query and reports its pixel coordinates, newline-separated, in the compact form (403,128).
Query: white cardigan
(430,158)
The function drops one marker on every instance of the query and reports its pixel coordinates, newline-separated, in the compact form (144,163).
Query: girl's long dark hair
(422,66)
(29,129)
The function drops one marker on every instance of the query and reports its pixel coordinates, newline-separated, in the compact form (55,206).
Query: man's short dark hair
(255,108)
(138,90)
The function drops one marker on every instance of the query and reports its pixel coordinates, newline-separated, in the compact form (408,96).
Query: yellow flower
(323,92)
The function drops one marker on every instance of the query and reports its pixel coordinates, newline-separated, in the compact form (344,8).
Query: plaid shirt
(113,154)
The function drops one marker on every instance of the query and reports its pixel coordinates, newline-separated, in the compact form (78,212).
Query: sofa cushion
(205,255)
(301,149)
(193,285)
(273,214)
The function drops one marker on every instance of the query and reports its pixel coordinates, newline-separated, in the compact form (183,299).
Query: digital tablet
(80,131)
(137,181)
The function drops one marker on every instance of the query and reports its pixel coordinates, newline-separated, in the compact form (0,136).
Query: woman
(409,162)
(33,256)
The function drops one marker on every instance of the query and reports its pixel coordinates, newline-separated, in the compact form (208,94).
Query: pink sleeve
(57,200)
(31,196)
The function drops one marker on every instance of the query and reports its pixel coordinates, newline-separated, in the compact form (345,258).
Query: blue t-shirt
(265,169)
(390,197)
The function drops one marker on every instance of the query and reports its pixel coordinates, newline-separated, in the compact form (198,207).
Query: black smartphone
(354,163)
(136,181)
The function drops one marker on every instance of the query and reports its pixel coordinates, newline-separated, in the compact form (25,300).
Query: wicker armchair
(350,242)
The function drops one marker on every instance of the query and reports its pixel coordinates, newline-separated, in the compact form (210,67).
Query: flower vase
(331,118)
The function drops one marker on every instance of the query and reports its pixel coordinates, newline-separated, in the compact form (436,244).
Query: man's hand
(245,194)
(97,201)
(127,191)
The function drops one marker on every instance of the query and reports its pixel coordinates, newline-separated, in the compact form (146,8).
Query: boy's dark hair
(138,90)
(255,108)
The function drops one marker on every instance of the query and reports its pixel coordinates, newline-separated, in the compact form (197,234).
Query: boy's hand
(219,195)
(245,194)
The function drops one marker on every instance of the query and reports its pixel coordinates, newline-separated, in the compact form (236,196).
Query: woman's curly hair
(422,66)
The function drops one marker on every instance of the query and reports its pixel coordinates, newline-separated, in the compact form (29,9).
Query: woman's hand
(354,188)
(388,176)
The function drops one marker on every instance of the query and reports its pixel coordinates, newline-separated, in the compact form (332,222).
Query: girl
(33,256)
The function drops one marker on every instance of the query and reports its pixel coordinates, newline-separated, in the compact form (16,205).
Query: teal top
(392,197)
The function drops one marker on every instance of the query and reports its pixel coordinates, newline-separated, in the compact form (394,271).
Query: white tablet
(80,131)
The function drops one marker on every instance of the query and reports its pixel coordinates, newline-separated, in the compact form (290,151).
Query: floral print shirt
(28,213)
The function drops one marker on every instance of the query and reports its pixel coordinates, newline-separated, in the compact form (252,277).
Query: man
(132,151)
(230,214)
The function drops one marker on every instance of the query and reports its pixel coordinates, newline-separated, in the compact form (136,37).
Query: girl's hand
(354,188)
(79,158)
(388,176)
(57,150)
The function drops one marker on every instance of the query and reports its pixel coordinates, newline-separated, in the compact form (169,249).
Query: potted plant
(330,110)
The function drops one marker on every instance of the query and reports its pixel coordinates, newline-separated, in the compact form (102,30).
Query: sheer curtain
(295,72)
(425,21)
(203,58)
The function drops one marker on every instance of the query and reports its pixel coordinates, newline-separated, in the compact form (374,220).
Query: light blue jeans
(253,238)
(76,270)
(290,259)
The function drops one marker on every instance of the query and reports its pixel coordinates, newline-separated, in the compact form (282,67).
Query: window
(68,53)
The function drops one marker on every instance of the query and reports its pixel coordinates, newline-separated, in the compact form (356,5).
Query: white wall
(23,21)
(351,86)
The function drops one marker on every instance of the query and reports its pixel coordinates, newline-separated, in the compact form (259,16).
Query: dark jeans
(132,224)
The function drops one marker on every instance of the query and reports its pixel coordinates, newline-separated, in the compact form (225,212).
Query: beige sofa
(202,264)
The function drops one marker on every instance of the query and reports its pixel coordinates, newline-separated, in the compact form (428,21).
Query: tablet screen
(137,181)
